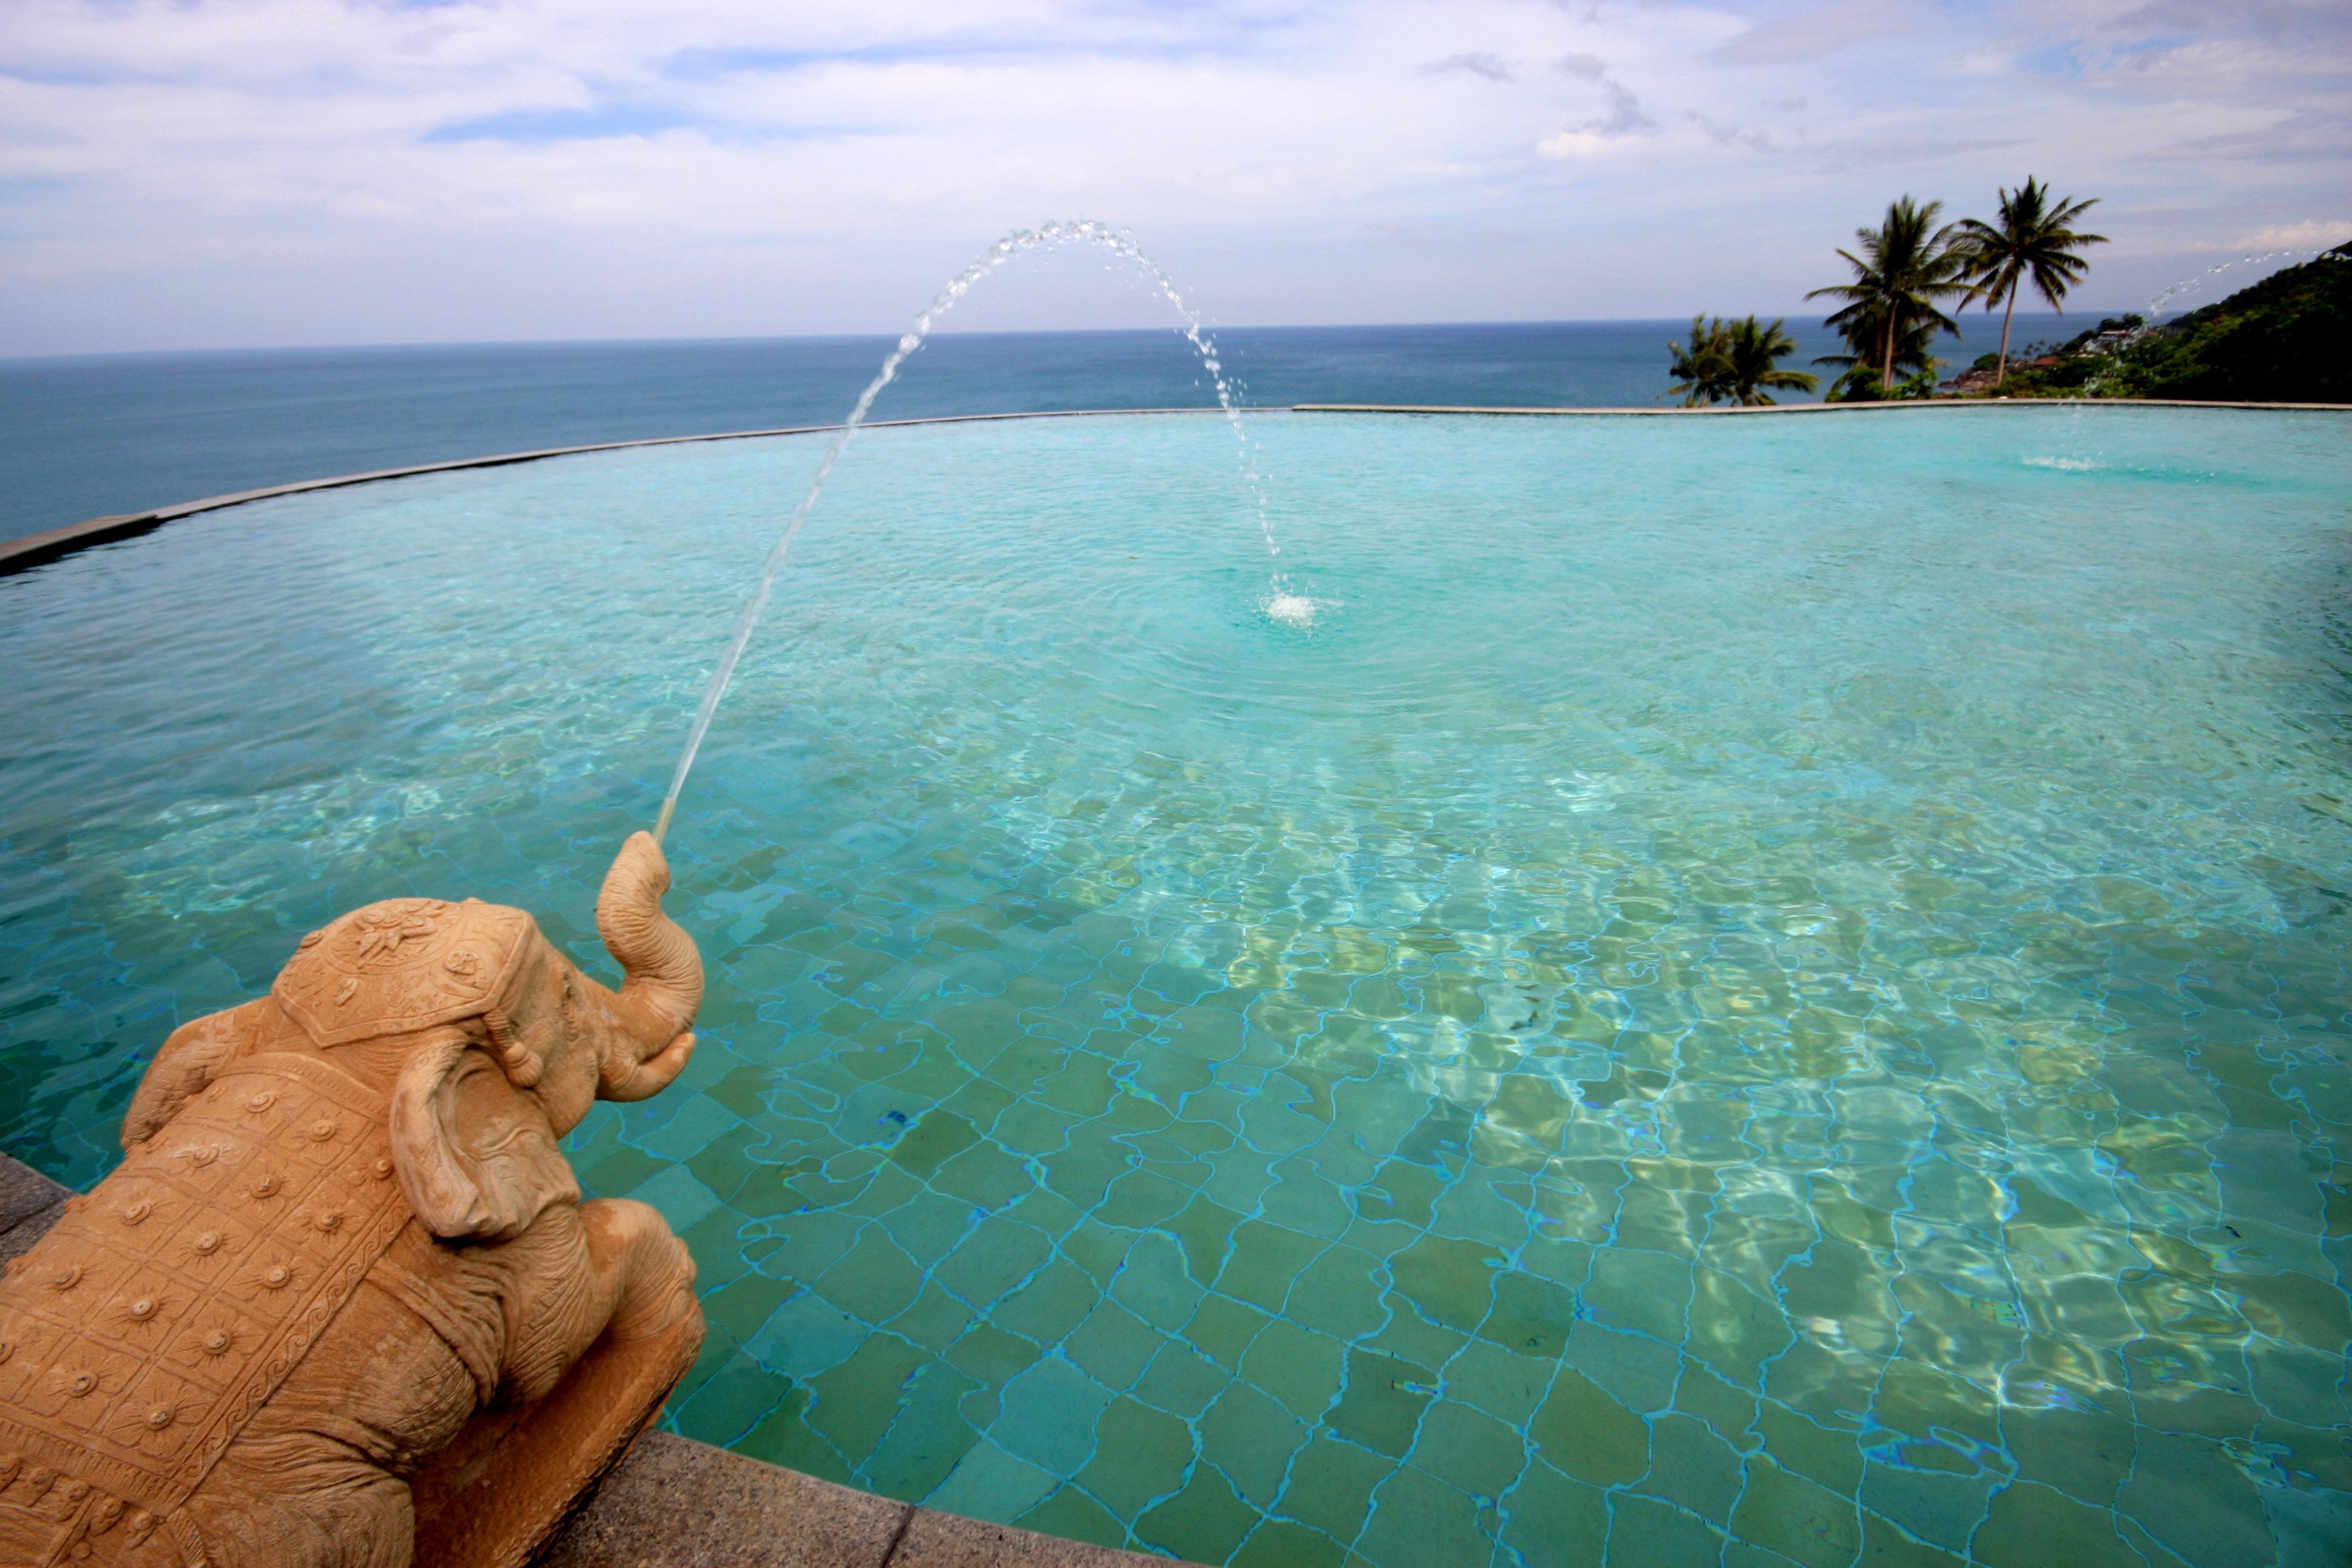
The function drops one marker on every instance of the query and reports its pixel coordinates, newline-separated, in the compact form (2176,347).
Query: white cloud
(189,172)
(1757,137)
(2311,233)
(1574,144)
(1477,62)
(1823,30)
(1624,116)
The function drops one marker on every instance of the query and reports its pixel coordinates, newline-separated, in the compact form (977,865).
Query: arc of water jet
(2168,295)
(1086,231)
(2156,305)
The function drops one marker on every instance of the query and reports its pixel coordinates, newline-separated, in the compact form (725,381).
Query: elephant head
(497,1044)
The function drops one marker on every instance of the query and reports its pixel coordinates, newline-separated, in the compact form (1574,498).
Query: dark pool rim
(40,549)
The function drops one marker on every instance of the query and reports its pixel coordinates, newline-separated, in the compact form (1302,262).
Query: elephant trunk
(663,986)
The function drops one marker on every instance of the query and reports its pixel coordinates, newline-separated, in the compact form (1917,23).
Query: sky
(189,173)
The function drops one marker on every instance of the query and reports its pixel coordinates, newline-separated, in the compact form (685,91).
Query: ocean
(93,436)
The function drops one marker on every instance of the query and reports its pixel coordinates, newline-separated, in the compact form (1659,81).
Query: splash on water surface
(1295,611)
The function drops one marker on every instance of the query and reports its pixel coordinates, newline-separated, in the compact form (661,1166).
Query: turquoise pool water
(1756,991)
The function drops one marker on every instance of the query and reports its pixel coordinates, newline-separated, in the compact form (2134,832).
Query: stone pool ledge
(676,1503)
(39,549)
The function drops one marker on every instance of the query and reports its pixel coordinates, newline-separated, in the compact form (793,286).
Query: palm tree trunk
(2001,374)
(1886,376)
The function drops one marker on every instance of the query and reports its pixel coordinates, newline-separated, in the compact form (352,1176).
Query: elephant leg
(610,1264)
(318,1476)
(349,1515)
(652,1271)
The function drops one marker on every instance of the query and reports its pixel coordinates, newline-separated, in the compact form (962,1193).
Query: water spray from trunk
(1280,603)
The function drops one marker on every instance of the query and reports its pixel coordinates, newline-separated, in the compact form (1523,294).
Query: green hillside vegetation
(2287,339)
(1909,274)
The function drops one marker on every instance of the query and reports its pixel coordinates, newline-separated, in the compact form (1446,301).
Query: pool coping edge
(40,549)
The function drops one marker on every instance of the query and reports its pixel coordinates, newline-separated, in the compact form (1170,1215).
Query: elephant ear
(475,1154)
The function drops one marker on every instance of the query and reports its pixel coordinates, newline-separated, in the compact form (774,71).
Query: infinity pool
(1762,991)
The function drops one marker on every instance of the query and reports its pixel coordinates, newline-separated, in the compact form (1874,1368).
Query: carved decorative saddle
(142,1333)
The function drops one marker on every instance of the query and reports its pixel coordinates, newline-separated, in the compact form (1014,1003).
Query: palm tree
(1906,267)
(1914,350)
(1754,353)
(2032,243)
(1703,371)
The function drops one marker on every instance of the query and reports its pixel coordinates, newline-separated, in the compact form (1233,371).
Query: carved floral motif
(407,963)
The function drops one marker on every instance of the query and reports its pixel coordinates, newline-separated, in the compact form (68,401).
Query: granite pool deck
(676,1503)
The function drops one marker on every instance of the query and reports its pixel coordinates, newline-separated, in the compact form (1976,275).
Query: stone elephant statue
(343,1227)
